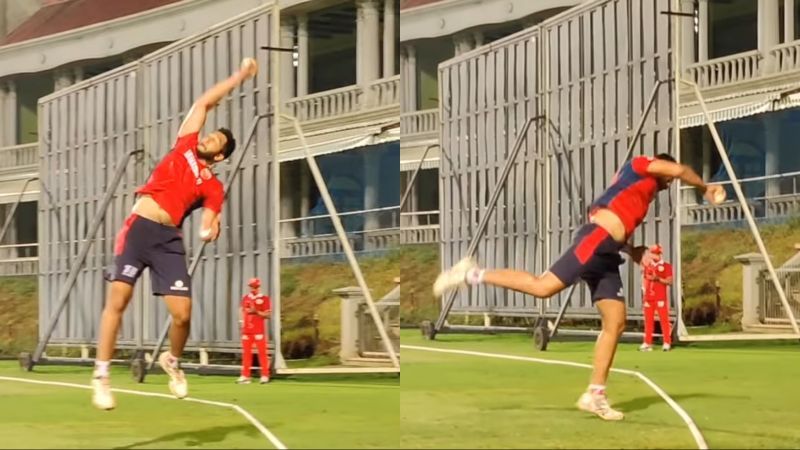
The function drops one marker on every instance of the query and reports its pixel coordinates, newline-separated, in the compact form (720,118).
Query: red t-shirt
(654,290)
(253,323)
(630,194)
(182,180)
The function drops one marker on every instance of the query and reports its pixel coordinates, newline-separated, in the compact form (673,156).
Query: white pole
(348,250)
(275,173)
(742,201)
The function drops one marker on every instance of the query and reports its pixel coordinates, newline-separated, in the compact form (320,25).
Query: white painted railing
(419,122)
(329,244)
(729,69)
(787,56)
(331,103)
(419,227)
(386,91)
(19,266)
(346,100)
(425,234)
(19,155)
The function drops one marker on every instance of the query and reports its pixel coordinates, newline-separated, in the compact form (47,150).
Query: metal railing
(19,155)
(16,251)
(767,197)
(419,218)
(729,69)
(770,308)
(369,341)
(419,122)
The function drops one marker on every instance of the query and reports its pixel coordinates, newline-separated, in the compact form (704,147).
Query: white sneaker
(264,379)
(645,348)
(243,380)
(598,404)
(455,277)
(666,347)
(177,380)
(102,398)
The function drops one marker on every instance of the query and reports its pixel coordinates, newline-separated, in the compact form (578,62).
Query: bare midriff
(146,207)
(609,221)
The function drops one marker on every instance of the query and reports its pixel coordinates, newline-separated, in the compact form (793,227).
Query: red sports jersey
(630,194)
(253,323)
(655,290)
(181,180)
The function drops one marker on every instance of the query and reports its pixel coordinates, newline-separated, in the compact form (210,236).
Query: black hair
(230,144)
(665,157)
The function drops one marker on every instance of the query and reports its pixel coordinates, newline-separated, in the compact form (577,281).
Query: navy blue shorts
(594,258)
(143,243)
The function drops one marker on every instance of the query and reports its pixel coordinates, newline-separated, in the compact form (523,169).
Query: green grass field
(740,395)
(303,412)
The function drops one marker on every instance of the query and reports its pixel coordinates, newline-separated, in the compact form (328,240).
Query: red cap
(254,282)
(655,248)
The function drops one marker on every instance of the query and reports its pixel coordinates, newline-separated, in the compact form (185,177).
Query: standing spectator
(254,309)
(657,275)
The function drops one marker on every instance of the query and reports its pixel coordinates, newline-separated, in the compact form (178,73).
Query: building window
(796,19)
(332,48)
(29,89)
(430,53)
(733,27)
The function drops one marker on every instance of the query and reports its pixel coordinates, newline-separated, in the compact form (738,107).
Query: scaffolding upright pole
(476,237)
(79,260)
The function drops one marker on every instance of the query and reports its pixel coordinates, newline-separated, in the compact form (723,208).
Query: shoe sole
(580,407)
(101,408)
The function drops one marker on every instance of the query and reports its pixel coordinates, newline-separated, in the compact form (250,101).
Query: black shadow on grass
(641,403)
(195,438)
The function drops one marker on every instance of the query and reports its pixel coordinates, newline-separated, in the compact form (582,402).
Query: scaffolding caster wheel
(541,337)
(138,369)
(25,361)
(427,329)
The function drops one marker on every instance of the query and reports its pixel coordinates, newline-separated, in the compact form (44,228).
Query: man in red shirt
(254,309)
(657,276)
(151,236)
(594,257)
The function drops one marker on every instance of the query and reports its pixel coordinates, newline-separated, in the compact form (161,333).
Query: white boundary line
(268,434)
(698,437)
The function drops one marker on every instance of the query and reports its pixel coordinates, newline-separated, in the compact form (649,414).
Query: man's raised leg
(119,294)
(180,308)
(467,271)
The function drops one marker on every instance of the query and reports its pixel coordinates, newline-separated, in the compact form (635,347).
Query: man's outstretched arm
(660,167)
(196,117)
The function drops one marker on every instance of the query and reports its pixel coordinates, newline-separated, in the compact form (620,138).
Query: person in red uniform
(594,257)
(151,237)
(657,276)
(254,309)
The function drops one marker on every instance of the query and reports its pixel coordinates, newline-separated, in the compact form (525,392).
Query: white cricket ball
(719,196)
(205,233)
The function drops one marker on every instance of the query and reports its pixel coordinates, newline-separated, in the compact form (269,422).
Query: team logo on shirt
(259,301)
(189,155)
(660,268)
